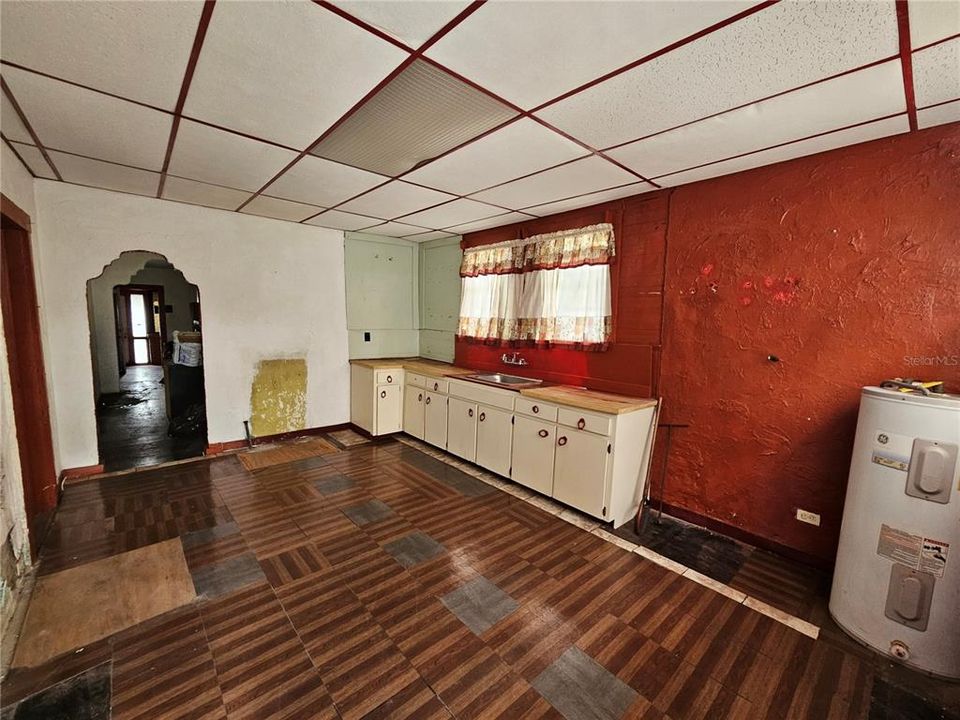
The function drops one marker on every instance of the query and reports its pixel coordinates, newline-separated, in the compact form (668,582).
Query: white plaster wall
(269,289)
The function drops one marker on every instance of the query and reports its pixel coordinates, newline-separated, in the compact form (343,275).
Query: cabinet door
(389,409)
(580,470)
(435,419)
(533,446)
(413,411)
(462,428)
(494,439)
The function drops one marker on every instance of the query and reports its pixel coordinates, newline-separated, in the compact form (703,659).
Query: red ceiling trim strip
(362,24)
(202,26)
(938,104)
(936,42)
(29,127)
(18,155)
(906,61)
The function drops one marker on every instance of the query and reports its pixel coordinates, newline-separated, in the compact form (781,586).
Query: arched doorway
(147,362)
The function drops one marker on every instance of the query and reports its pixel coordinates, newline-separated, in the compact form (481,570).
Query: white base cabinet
(580,470)
(494,439)
(413,411)
(376,399)
(462,428)
(533,453)
(435,418)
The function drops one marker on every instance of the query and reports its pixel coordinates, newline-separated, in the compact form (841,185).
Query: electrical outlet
(366,336)
(808,517)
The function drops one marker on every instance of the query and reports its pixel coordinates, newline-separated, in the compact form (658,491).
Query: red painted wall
(844,265)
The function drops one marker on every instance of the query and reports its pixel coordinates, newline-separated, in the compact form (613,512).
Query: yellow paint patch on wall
(278,399)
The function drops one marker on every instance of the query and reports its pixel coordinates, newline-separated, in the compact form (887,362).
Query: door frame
(28,383)
(138,288)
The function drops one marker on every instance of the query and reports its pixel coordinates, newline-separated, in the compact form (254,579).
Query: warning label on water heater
(927,555)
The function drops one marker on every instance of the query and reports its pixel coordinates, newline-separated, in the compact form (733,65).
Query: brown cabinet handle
(536,409)
(383,393)
(436,386)
(581,424)
(389,378)
(419,397)
(470,412)
(561,441)
(543,433)
(483,416)
(427,401)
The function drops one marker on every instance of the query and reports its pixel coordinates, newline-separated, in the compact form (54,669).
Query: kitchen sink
(502,380)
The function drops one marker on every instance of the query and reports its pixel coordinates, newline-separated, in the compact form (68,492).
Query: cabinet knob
(581,424)
(419,397)
(470,412)
(543,433)
(483,416)
(536,409)
(561,441)
(383,393)
(389,378)
(427,401)
(436,386)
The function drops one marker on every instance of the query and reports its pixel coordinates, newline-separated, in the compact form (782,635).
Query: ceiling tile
(284,71)
(198,193)
(10,122)
(580,176)
(34,158)
(865,95)
(932,20)
(428,236)
(411,22)
(851,136)
(138,50)
(939,115)
(321,182)
(779,48)
(84,171)
(395,199)
(214,156)
(420,114)
(521,147)
(280,209)
(497,221)
(936,73)
(529,56)
(393,229)
(81,121)
(343,220)
(582,201)
(453,213)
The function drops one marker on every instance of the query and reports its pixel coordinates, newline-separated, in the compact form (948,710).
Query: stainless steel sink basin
(501,380)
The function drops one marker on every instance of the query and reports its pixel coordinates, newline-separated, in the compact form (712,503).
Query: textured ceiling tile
(453,213)
(81,121)
(411,22)
(939,115)
(581,176)
(198,193)
(932,20)
(418,115)
(521,147)
(863,133)
(280,209)
(95,173)
(34,159)
(529,52)
(284,71)
(582,201)
(10,122)
(138,50)
(214,156)
(491,222)
(428,236)
(322,182)
(395,199)
(393,229)
(779,48)
(936,73)
(343,220)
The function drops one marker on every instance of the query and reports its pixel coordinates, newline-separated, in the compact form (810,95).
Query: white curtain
(489,306)
(566,306)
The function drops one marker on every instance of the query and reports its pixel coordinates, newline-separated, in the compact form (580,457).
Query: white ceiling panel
(81,121)
(453,213)
(529,53)
(84,171)
(10,123)
(393,229)
(779,48)
(936,74)
(214,156)
(317,181)
(138,50)
(284,71)
(581,176)
(939,115)
(34,158)
(863,133)
(582,201)
(428,236)
(865,95)
(280,209)
(411,22)
(198,193)
(932,20)
(521,147)
(395,199)
(498,221)
(343,220)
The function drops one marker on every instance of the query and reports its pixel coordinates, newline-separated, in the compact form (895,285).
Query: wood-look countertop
(423,366)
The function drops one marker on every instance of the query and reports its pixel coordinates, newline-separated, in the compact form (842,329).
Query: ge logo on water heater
(883,438)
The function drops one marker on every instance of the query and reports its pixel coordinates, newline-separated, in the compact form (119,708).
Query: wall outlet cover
(366,336)
(808,517)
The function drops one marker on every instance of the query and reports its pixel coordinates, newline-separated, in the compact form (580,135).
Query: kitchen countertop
(415,364)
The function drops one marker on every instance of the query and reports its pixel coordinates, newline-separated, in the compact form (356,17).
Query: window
(546,290)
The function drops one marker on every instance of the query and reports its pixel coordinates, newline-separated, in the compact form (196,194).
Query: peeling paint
(278,397)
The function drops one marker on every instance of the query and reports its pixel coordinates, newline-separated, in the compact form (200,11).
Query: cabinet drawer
(390,377)
(436,384)
(414,379)
(582,420)
(536,408)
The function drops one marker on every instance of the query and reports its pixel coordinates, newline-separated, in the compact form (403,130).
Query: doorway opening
(146,346)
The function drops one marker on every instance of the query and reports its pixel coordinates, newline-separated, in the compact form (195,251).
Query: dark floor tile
(208,535)
(82,697)
(890,702)
(223,577)
(413,549)
(335,484)
(447,474)
(368,512)
(479,604)
(580,688)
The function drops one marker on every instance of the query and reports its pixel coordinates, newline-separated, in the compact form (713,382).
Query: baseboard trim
(70,475)
(230,445)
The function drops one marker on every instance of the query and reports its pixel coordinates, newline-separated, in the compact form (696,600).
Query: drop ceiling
(429,119)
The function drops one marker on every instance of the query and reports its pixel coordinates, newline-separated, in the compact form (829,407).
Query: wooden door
(494,439)
(580,470)
(533,445)
(413,411)
(462,428)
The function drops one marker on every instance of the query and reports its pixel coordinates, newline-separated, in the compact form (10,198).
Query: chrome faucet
(514,359)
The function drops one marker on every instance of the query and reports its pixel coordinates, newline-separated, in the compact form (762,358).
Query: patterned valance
(592,245)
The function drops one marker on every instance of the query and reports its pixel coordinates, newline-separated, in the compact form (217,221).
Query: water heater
(896,586)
